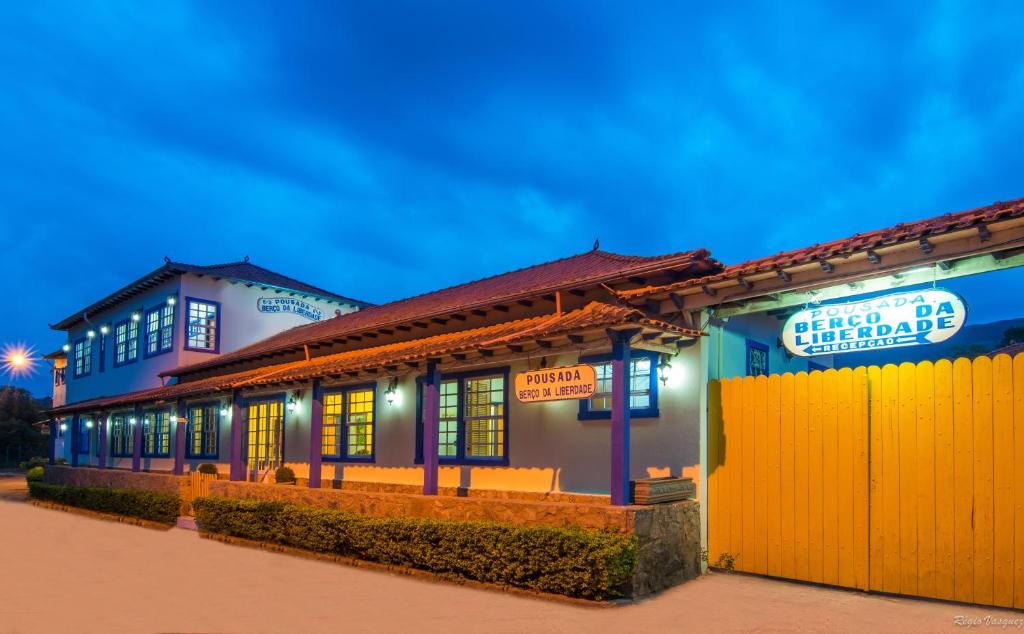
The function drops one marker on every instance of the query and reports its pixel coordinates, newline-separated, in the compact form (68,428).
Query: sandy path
(65,572)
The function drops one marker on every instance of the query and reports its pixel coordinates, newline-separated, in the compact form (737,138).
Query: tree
(1012,335)
(19,438)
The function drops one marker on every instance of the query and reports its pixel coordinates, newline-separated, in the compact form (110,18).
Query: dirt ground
(63,572)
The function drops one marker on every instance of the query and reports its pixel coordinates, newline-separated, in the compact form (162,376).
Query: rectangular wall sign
(289,305)
(889,321)
(556,384)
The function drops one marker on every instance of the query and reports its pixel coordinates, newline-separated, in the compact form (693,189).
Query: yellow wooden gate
(896,479)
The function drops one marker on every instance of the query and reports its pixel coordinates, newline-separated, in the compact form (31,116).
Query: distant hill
(972,341)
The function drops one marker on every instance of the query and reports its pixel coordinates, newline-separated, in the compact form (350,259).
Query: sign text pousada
(556,384)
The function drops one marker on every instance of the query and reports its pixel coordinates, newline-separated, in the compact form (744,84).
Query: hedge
(569,561)
(148,505)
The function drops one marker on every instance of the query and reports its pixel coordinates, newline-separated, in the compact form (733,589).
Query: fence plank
(944,480)
(861,478)
(844,479)
(800,487)
(787,474)
(773,442)
(963,475)
(925,458)
(737,474)
(761,476)
(1018,483)
(983,481)
(891,476)
(814,475)
(714,467)
(747,556)
(876,543)
(1002,462)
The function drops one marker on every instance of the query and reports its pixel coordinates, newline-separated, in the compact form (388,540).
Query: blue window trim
(651,411)
(128,426)
(756,345)
(460,441)
(145,332)
(127,324)
(344,457)
(84,437)
(146,454)
(216,332)
(264,398)
(216,405)
(74,360)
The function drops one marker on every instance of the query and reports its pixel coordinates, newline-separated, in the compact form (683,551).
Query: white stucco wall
(728,354)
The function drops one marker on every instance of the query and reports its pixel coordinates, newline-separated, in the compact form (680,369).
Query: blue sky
(383,149)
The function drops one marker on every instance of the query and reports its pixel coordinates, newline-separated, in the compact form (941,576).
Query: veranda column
(237,470)
(431,415)
(137,439)
(179,437)
(620,414)
(76,420)
(316,433)
(101,440)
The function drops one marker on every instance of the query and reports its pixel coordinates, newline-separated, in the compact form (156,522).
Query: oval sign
(890,321)
(556,384)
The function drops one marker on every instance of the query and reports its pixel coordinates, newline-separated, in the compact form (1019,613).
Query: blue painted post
(316,434)
(137,439)
(237,470)
(179,437)
(76,420)
(431,416)
(620,414)
(101,440)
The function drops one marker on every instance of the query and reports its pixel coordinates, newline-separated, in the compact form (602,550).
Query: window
(156,434)
(472,426)
(348,424)
(83,357)
(122,437)
(83,435)
(265,427)
(202,432)
(59,376)
(203,325)
(126,342)
(159,330)
(643,386)
(757,358)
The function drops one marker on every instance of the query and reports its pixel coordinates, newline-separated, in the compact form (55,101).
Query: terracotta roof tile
(837,248)
(594,315)
(588,268)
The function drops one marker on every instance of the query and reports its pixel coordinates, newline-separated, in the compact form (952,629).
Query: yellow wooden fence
(895,479)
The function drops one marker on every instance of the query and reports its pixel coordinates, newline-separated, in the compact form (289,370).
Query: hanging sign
(890,321)
(556,384)
(289,305)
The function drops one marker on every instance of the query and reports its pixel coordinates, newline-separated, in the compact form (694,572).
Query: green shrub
(35,474)
(32,462)
(284,475)
(206,467)
(572,562)
(148,505)
(61,461)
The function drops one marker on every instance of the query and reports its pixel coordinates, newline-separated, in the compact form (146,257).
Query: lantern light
(171,300)
(66,347)
(136,316)
(174,418)
(292,405)
(63,426)
(225,411)
(131,421)
(104,329)
(664,368)
(88,424)
(90,334)
(391,392)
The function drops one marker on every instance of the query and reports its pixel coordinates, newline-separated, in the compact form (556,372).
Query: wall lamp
(391,391)
(292,405)
(664,368)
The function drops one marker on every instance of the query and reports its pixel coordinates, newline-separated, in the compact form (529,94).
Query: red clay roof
(244,271)
(593,315)
(592,267)
(872,240)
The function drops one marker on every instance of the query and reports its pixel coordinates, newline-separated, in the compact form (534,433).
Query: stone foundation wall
(117,479)
(668,535)
(492,494)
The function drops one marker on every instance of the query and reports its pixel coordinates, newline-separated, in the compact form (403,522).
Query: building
(485,387)
(175,315)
